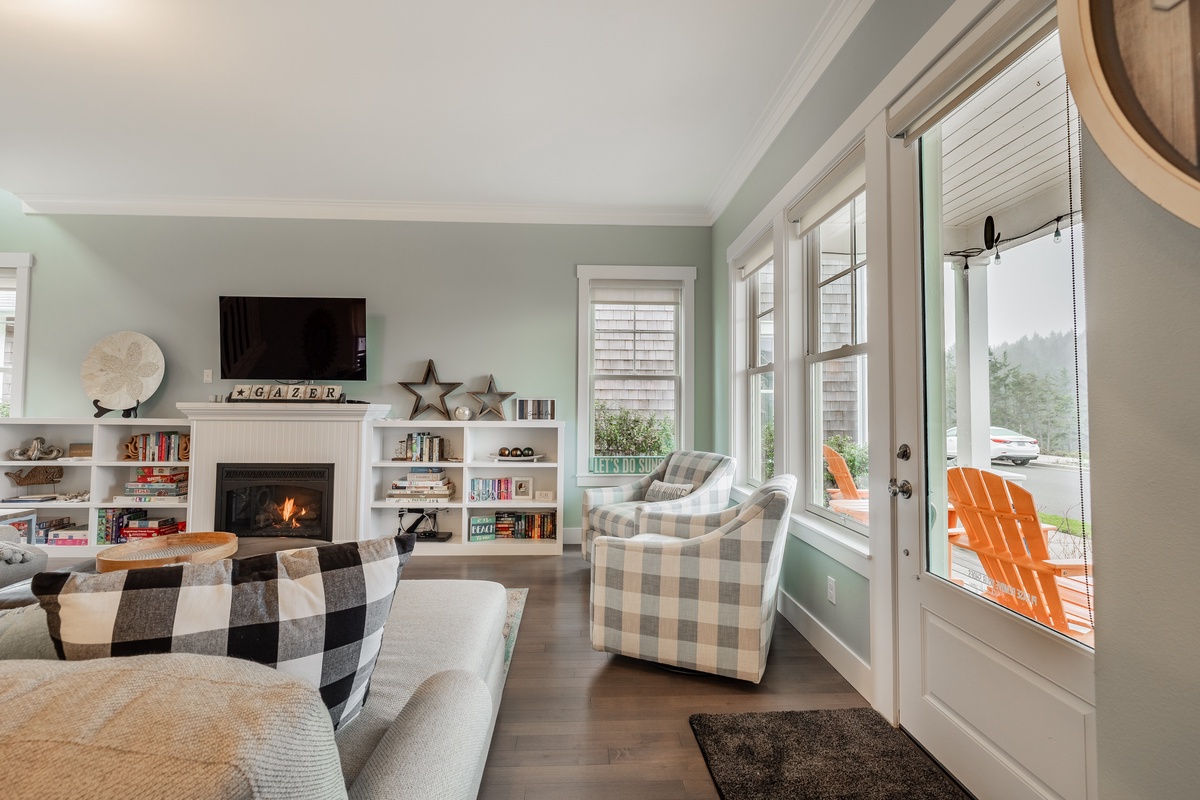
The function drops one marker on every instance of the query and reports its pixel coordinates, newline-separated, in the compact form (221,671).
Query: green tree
(624,432)
(768,450)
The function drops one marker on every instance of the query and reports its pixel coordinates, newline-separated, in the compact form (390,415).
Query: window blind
(846,179)
(640,292)
(969,65)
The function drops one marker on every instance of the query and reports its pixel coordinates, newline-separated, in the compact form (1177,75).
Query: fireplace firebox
(275,500)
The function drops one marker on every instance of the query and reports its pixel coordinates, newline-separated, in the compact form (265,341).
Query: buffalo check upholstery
(695,590)
(316,613)
(616,510)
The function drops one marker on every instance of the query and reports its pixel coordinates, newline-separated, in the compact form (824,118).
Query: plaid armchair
(696,590)
(615,510)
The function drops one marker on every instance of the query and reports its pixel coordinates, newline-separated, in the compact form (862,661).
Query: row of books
(160,446)
(486,490)
(513,525)
(120,525)
(422,446)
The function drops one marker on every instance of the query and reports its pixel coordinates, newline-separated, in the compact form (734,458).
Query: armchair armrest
(658,519)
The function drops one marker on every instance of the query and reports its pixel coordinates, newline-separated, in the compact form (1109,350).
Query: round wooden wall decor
(1136,80)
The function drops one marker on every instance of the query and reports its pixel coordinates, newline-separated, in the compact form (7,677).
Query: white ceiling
(635,111)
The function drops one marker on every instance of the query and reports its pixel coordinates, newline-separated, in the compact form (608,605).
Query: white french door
(1003,702)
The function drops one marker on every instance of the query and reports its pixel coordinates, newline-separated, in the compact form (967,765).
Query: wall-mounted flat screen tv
(293,338)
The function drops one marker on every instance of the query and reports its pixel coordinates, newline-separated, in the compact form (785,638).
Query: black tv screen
(294,338)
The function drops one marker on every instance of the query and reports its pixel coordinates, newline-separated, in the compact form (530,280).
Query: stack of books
(59,530)
(147,528)
(156,485)
(422,485)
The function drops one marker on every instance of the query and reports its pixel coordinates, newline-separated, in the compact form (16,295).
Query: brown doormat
(817,755)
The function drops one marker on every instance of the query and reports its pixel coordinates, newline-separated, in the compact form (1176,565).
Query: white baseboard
(843,659)
(572,536)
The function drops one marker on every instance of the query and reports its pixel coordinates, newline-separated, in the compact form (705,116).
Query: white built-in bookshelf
(469,453)
(103,476)
(369,444)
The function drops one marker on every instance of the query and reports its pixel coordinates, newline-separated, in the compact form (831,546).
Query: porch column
(972,382)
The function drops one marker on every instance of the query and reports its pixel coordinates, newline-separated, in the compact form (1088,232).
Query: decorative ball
(462,412)
(527,452)
(515,452)
(503,453)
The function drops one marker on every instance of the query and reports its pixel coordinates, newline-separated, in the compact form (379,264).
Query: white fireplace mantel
(335,433)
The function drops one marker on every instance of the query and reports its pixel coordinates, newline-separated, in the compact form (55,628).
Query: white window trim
(586,273)
(22,263)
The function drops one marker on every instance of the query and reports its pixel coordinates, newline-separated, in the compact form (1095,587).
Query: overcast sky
(1029,291)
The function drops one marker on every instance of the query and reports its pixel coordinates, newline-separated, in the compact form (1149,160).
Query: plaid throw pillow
(316,613)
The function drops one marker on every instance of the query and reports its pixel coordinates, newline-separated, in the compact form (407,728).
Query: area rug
(817,755)
(512,621)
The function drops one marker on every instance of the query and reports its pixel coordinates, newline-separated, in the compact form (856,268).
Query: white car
(1006,446)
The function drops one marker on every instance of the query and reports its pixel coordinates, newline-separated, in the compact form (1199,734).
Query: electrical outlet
(208,376)
(831,589)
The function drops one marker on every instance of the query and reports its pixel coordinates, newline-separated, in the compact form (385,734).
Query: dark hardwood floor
(576,723)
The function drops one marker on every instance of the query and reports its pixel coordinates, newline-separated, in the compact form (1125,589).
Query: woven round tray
(174,548)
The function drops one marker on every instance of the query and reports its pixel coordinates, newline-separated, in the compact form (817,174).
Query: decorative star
(491,401)
(419,388)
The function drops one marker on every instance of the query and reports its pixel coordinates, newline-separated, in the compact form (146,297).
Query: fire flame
(289,510)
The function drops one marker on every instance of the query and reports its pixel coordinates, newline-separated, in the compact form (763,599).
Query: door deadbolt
(904,453)
(901,488)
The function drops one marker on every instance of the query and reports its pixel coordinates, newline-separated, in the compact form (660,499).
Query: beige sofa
(184,726)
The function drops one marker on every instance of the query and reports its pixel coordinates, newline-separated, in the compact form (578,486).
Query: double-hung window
(834,256)
(635,367)
(756,271)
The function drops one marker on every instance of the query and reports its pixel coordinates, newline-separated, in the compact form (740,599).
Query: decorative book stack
(156,485)
(422,485)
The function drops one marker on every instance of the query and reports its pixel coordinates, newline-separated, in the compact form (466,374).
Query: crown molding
(268,208)
(824,42)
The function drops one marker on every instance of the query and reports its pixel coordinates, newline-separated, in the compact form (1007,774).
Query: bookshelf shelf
(472,441)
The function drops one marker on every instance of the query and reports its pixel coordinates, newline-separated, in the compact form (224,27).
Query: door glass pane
(1005,349)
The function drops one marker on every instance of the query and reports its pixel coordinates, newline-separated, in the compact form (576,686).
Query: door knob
(901,488)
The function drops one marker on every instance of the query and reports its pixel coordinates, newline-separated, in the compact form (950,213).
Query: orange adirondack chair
(1000,524)
(846,490)
(847,498)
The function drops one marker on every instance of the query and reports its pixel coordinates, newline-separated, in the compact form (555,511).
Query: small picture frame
(79,450)
(535,408)
(522,489)
(544,495)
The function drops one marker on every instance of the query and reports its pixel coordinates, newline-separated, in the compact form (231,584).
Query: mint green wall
(478,299)
(1143,289)
(885,35)
(804,579)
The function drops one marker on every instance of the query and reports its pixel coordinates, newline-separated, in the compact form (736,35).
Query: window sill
(587,481)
